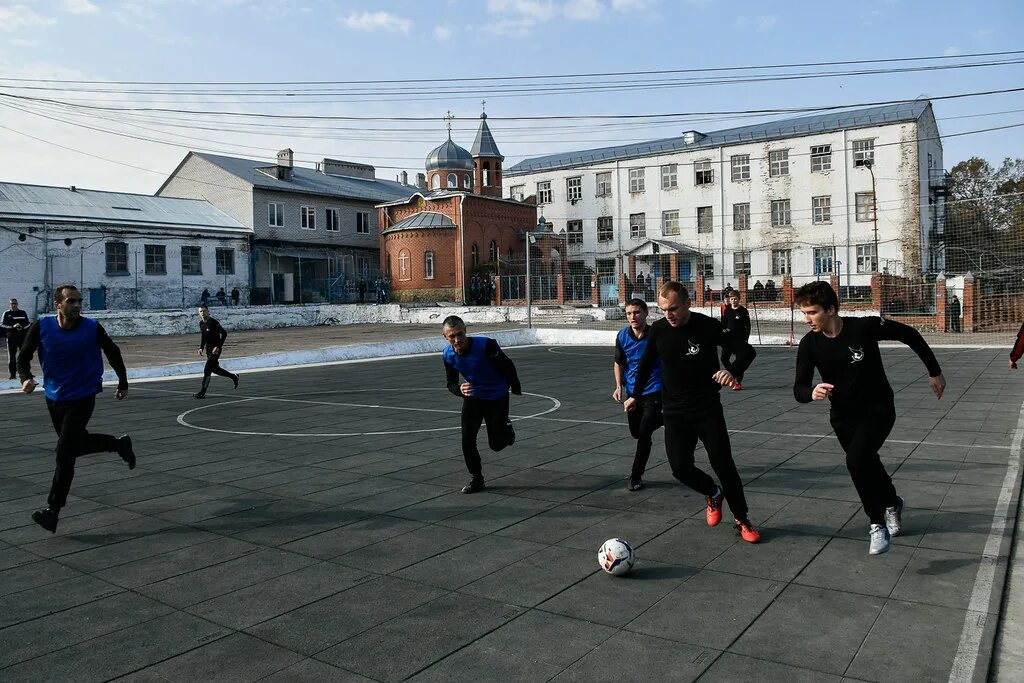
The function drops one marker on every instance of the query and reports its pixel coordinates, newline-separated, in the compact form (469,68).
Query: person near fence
(769,290)
(70,348)
(758,291)
(735,323)
(15,324)
(204,298)
(686,345)
(362,289)
(1018,348)
(235,296)
(222,297)
(489,375)
(386,289)
(954,314)
(645,418)
(211,342)
(863,411)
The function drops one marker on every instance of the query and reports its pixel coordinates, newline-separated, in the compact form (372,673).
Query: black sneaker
(124,449)
(201,394)
(46,518)
(511,433)
(234,378)
(475,485)
(635,484)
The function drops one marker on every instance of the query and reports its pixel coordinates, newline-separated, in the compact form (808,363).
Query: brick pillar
(940,305)
(834,281)
(560,288)
(787,290)
(742,289)
(699,284)
(969,302)
(673,266)
(876,292)
(623,289)
(632,268)
(497,290)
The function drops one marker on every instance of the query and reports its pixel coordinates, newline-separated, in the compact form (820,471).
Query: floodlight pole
(529,308)
(869,164)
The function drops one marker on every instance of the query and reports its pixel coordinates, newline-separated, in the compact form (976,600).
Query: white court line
(570,353)
(977,610)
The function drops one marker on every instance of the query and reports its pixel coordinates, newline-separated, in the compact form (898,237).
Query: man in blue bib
(489,375)
(69,351)
(645,418)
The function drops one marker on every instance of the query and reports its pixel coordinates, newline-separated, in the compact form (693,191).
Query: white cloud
(14,17)
(537,10)
(80,7)
(378,21)
(763,23)
(584,10)
(631,5)
(442,32)
(982,33)
(951,51)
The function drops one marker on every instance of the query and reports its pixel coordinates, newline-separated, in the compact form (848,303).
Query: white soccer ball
(616,557)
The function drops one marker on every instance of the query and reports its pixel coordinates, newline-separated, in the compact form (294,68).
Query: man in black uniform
(845,352)
(15,324)
(736,323)
(69,350)
(211,341)
(686,343)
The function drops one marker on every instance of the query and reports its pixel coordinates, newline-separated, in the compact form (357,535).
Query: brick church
(433,243)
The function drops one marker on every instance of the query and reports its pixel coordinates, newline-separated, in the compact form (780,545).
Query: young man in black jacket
(687,344)
(845,352)
(211,342)
(15,324)
(736,323)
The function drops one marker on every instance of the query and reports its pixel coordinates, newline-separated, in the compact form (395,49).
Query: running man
(211,341)
(735,322)
(489,375)
(645,418)
(845,352)
(69,352)
(686,344)
(1018,348)
(15,324)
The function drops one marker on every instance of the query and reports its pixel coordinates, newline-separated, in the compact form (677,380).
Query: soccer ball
(616,557)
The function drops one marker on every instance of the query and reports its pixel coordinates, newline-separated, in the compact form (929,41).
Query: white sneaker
(879,540)
(893,521)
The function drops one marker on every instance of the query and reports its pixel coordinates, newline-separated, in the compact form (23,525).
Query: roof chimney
(405,177)
(73,188)
(284,164)
(421,180)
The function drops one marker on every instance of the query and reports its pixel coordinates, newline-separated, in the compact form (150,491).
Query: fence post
(969,302)
(876,292)
(623,292)
(940,304)
(742,287)
(699,285)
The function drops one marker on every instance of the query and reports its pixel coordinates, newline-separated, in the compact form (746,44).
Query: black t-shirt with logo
(689,358)
(852,363)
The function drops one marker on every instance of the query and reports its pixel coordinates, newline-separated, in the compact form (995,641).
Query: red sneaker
(748,531)
(714,512)
(737,387)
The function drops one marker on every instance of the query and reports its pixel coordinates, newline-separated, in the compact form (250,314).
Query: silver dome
(449,156)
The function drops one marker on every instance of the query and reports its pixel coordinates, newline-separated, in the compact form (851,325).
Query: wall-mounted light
(67,241)
(21,237)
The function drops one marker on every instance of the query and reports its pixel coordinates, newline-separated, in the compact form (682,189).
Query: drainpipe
(846,184)
(462,247)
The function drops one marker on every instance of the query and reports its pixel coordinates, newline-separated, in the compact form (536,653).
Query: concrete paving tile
(270,598)
(138,495)
(921,495)
(467,563)
(927,470)
(321,480)
(536,577)
(72,525)
(691,542)
(957,531)
(256,516)
(166,565)
(291,529)
(443,507)
(54,597)
(34,574)
(812,516)
(237,657)
(977,500)
(406,549)
(362,488)
(844,565)
(710,609)
(568,488)
(648,658)
(11,556)
(398,498)
(345,539)
(124,552)
(557,523)
(503,513)
(785,634)
(338,617)
(733,667)
(938,577)
(780,555)
(184,499)
(638,527)
(312,670)
(211,509)
(791,482)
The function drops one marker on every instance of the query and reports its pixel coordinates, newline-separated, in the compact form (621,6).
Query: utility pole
(869,164)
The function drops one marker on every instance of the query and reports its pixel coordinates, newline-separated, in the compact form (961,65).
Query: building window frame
(824,260)
(670,176)
(574,232)
(155,259)
(574,189)
(821,158)
(637,180)
(705,219)
(428,265)
(224,260)
(778,163)
(604,184)
(821,210)
(741,216)
(782,215)
(864,207)
(867,258)
(782,261)
(707,265)
(605,229)
(474,255)
(517,192)
(307,217)
(637,226)
(740,165)
(191,260)
(332,219)
(863,151)
(670,222)
(275,214)
(116,258)
(703,172)
(363,222)
(741,263)
(544,192)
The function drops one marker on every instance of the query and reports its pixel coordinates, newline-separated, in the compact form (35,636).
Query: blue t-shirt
(71,360)
(477,368)
(628,352)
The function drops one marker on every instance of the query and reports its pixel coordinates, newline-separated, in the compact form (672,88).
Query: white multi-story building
(850,193)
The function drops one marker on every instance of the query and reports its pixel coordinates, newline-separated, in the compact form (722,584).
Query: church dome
(449,156)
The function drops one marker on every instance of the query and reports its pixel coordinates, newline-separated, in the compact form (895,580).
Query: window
(707,264)
(669,222)
(453,181)
(191,261)
(867,261)
(492,251)
(741,216)
(307,218)
(741,263)
(117,258)
(544,192)
(821,210)
(863,150)
(517,192)
(605,229)
(669,176)
(604,184)
(740,167)
(636,179)
(474,255)
(275,214)
(781,261)
(574,232)
(778,163)
(435,183)
(823,260)
(821,158)
(225,261)
(467,180)
(403,265)
(156,259)
(363,222)
(574,189)
(780,214)
(428,265)
(865,203)
(637,225)
(704,219)
(703,174)
(333,220)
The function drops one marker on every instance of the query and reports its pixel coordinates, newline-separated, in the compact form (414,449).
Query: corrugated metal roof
(424,219)
(311,181)
(42,202)
(804,125)
(484,144)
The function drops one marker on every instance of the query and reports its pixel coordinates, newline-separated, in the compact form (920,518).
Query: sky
(60,133)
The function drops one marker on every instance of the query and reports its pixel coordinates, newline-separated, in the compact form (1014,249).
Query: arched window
(453,180)
(428,265)
(467,181)
(474,255)
(486,174)
(510,254)
(494,251)
(403,265)
(435,181)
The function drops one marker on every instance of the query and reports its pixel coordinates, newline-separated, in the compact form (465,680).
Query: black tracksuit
(863,407)
(15,337)
(212,336)
(690,403)
(736,322)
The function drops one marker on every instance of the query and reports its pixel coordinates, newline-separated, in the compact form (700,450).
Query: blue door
(684,270)
(97,299)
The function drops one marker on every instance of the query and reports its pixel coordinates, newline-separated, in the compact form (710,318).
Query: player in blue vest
(69,351)
(489,375)
(645,418)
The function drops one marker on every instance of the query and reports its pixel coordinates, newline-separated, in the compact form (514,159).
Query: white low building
(124,251)
(796,196)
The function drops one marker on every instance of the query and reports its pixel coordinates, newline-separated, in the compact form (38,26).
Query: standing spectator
(758,291)
(954,314)
(362,289)
(735,323)
(728,290)
(235,296)
(378,289)
(1018,349)
(222,297)
(15,324)
(474,290)
(769,290)
(204,298)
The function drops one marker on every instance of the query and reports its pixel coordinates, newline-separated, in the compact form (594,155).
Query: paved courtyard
(308,526)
